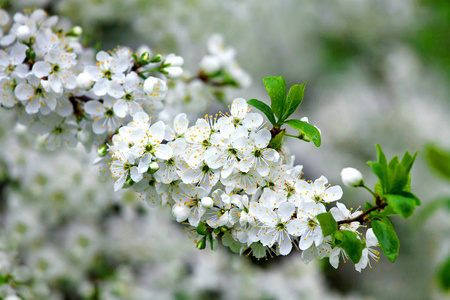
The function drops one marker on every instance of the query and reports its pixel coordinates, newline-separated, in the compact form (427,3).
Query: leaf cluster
(393,196)
(282,106)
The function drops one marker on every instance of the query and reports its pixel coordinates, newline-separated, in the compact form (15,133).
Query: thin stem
(364,186)
(150,70)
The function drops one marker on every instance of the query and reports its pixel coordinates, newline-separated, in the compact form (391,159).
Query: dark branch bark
(380,204)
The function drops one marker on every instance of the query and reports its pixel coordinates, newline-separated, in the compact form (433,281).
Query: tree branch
(380,204)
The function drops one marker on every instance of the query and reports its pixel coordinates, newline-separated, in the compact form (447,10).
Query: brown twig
(380,204)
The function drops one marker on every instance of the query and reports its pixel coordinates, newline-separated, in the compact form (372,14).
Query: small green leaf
(307,130)
(264,108)
(294,99)
(411,196)
(408,160)
(327,223)
(402,205)
(378,189)
(385,233)
(276,88)
(397,176)
(439,160)
(379,168)
(443,276)
(275,142)
(348,240)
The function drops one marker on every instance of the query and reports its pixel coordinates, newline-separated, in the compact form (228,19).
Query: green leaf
(276,88)
(294,99)
(397,176)
(348,240)
(275,142)
(385,233)
(380,168)
(443,276)
(411,196)
(378,189)
(264,108)
(307,130)
(439,160)
(408,160)
(402,205)
(327,223)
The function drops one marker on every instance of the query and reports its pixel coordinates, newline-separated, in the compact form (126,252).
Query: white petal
(120,108)
(239,108)
(41,69)
(332,194)
(163,151)
(24,91)
(285,211)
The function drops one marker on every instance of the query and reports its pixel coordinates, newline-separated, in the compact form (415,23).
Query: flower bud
(202,243)
(144,57)
(207,202)
(173,72)
(201,228)
(156,58)
(23,33)
(77,30)
(153,167)
(210,64)
(84,81)
(102,150)
(174,61)
(30,54)
(351,177)
(129,182)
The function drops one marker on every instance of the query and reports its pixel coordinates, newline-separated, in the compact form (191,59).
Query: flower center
(55,69)
(232,152)
(149,147)
(39,91)
(312,224)
(280,227)
(170,161)
(236,121)
(258,153)
(58,130)
(317,198)
(107,74)
(109,113)
(205,169)
(128,97)
(206,144)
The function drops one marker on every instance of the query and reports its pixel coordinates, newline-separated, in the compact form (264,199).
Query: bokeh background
(377,72)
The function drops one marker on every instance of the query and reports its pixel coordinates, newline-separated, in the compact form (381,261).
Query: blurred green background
(377,72)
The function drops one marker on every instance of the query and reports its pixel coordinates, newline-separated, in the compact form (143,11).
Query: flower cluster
(62,92)
(222,176)
(223,181)
(69,94)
